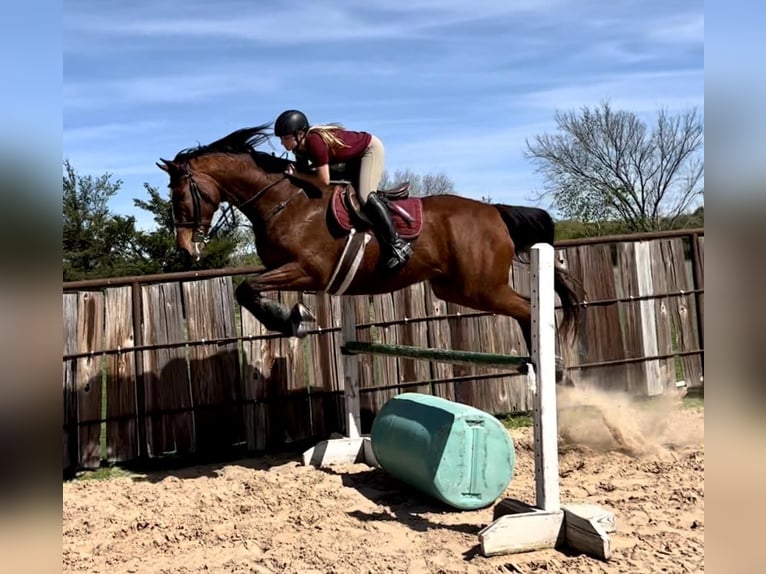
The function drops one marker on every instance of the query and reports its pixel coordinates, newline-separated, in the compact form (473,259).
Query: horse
(463,248)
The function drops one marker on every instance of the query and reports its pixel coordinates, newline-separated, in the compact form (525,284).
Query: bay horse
(462,247)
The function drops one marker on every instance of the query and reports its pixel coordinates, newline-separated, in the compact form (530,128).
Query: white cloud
(640,93)
(171,88)
(303,23)
(681,29)
(84,134)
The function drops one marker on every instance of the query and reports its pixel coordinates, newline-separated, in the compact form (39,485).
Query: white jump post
(543,378)
(352,447)
(351,372)
(518,526)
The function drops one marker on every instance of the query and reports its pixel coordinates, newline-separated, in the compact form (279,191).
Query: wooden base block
(583,533)
(604,518)
(340,451)
(513,533)
(520,527)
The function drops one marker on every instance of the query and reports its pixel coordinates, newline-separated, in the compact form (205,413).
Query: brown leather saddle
(406,211)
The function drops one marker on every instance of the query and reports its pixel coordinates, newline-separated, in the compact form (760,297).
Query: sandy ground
(269,515)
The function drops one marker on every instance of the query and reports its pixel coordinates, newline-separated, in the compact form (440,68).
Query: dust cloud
(608,421)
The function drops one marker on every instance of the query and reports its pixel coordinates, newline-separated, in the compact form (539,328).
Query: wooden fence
(158,369)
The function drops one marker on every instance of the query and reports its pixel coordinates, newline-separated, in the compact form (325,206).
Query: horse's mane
(241,141)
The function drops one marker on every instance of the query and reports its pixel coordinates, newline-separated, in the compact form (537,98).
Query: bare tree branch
(605,164)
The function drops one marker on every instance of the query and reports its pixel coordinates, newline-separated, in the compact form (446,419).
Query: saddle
(406,211)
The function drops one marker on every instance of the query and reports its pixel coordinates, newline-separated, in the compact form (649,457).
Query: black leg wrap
(272,314)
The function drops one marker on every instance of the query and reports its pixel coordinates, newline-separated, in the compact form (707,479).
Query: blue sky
(449,86)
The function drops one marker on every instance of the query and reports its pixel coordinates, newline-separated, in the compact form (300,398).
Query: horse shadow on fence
(399,501)
(200,415)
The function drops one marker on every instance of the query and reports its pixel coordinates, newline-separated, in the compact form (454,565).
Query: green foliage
(576,229)
(93,238)
(516,420)
(156,249)
(98,243)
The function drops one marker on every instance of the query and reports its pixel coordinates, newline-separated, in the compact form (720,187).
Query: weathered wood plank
(460,335)
(694,379)
(213,370)
(512,343)
(682,311)
(410,304)
(419,310)
(295,389)
(70,433)
(653,377)
(385,367)
(700,307)
(121,434)
(340,367)
(166,379)
(601,337)
(89,377)
(439,338)
(659,261)
(257,361)
(326,416)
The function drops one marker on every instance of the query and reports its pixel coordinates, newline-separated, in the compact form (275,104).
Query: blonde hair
(327,133)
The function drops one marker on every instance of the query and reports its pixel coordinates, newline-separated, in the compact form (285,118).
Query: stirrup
(399,255)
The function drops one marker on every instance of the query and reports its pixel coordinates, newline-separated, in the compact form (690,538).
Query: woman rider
(316,147)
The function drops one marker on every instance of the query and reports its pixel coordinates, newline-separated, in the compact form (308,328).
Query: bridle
(197,224)
(198,195)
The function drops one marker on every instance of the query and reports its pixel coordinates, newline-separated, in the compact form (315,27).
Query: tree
(98,243)
(93,238)
(155,250)
(605,165)
(420,186)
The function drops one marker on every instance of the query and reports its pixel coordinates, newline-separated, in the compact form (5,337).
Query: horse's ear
(166,165)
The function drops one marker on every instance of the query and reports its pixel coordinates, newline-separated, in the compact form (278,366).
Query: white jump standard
(521,527)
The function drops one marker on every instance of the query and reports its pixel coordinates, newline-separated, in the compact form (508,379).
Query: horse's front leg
(272,314)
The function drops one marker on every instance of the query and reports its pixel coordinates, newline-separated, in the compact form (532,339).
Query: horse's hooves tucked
(300,317)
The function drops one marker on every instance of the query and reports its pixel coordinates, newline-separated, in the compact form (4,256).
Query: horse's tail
(530,225)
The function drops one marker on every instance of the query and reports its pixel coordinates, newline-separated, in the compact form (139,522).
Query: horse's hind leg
(270,313)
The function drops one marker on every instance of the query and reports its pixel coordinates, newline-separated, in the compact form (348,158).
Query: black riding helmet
(290,122)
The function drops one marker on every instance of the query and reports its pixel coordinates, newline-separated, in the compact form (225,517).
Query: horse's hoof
(302,313)
(300,316)
(300,330)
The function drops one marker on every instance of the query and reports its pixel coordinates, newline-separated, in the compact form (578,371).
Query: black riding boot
(399,249)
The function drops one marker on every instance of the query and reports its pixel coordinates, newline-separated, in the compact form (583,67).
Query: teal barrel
(453,452)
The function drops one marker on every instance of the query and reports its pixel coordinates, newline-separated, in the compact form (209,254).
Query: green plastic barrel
(453,452)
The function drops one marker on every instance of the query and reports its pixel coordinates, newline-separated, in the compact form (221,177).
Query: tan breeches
(371,169)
